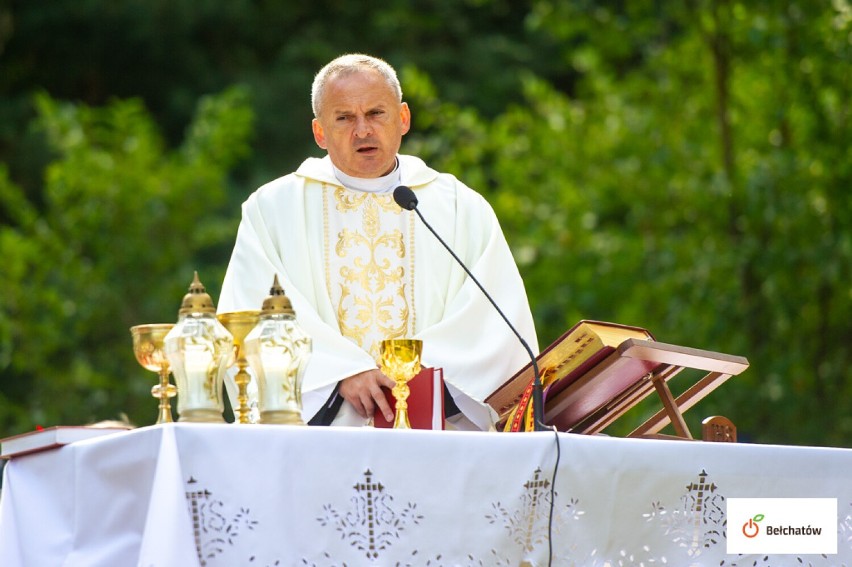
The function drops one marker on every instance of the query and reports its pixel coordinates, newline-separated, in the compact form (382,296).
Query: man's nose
(362,127)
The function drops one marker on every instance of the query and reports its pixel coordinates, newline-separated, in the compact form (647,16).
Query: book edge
(51,437)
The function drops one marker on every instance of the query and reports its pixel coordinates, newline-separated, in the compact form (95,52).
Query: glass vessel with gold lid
(199,349)
(278,350)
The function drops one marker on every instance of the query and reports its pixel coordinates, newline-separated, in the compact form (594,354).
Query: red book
(50,438)
(425,402)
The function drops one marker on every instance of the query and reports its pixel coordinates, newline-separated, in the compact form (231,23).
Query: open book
(50,438)
(578,350)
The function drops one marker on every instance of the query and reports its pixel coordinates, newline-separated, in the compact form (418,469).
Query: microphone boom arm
(538,401)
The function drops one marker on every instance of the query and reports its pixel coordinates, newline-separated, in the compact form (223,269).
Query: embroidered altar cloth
(265,495)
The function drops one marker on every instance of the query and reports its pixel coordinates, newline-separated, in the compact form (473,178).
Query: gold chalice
(239,324)
(400,361)
(148,348)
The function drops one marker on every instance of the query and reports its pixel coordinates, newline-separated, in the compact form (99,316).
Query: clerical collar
(384,184)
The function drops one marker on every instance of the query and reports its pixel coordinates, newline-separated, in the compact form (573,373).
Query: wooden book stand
(629,375)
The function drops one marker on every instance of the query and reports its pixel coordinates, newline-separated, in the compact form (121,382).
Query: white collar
(383,184)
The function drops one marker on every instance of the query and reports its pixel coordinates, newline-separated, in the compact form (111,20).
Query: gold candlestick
(148,348)
(239,324)
(400,361)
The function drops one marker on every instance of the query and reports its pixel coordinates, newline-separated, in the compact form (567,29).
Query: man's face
(361,124)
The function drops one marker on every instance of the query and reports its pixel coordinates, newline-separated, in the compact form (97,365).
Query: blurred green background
(681,166)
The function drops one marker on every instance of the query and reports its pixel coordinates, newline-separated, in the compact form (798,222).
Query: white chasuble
(370,269)
(346,260)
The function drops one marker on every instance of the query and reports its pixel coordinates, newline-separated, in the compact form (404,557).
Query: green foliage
(121,226)
(683,166)
(627,202)
(168,53)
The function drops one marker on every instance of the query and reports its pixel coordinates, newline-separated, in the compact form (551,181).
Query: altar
(195,495)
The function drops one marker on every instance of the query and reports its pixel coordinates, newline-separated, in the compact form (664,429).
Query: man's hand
(364,392)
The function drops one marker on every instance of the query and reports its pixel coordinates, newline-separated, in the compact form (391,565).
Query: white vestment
(358,269)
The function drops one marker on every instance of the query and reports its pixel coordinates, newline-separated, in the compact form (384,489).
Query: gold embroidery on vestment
(368,283)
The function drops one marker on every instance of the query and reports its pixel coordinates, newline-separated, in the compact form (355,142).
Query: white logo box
(782,525)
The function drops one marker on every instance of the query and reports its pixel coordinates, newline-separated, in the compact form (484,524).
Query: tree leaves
(123,224)
(680,166)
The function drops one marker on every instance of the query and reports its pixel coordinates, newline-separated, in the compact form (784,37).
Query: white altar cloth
(193,495)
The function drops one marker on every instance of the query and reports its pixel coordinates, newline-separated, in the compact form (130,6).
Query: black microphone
(406,199)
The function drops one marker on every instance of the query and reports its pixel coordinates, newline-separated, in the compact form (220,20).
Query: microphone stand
(537,395)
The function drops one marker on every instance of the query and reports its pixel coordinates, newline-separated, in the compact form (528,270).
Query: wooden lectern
(634,371)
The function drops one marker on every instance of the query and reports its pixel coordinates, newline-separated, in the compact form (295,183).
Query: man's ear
(319,135)
(405,116)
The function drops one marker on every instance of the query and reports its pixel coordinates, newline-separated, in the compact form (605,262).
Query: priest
(359,269)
